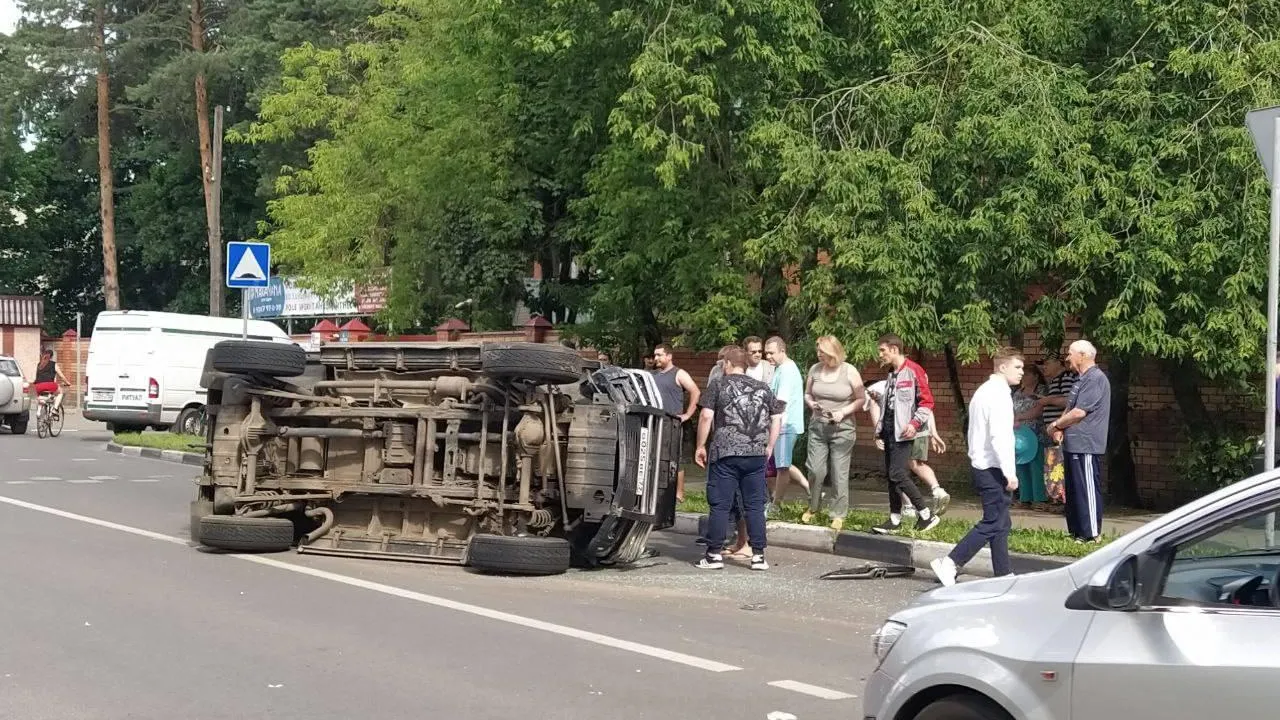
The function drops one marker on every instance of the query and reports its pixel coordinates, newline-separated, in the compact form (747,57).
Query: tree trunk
(1122,478)
(207,175)
(1184,377)
(953,374)
(106,184)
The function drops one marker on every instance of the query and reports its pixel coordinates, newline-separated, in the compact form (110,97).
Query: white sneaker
(945,568)
(758,563)
(711,562)
(941,499)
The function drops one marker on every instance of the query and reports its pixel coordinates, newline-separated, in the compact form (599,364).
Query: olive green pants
(830,452)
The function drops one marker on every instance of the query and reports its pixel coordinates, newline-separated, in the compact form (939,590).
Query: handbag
(1055,474)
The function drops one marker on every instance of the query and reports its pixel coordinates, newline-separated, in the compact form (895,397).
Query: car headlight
(884,638)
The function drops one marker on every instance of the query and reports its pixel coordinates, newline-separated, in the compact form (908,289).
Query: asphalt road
(109,612)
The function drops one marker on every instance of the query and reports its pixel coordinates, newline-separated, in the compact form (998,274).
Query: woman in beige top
(833,394)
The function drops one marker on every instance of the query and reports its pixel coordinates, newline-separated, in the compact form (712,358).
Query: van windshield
(9,367)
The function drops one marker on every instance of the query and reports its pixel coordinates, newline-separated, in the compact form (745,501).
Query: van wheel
(527,555)
(253,357)
(962,707)
(246,534)
(189,422)
(554,364)
(199,509)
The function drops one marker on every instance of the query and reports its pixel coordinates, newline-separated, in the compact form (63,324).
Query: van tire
(199,509)
(254,357)
(528,555)
(190,415)
(246,534)
(962,707)
(554,364)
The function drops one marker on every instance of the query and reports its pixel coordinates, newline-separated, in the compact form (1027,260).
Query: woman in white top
(833,393)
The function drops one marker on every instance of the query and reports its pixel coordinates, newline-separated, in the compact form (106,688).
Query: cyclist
(48,377)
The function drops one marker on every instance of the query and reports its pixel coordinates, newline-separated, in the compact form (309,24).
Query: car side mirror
(1115,586)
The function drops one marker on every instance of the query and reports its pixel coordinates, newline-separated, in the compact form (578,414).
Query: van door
(110,353)
(134,369)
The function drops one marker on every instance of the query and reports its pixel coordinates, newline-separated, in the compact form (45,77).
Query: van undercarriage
(509,457)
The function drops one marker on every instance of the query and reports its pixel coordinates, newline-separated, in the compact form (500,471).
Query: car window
(9,367)
(1250,534)
(1235,565)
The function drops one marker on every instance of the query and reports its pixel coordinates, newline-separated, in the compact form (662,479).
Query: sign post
(248,266)
(1264,126)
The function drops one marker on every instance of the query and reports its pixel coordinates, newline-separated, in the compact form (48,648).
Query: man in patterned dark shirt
(746,418)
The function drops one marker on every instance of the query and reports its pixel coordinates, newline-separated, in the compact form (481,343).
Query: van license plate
(103,395)
(130,396)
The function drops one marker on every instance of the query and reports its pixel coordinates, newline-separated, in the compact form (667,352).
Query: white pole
(79,363)
(1273,310)
(244,312)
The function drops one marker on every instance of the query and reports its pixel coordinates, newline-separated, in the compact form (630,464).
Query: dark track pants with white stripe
(1084,495)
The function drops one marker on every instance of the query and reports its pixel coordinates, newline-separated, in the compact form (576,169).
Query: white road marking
(85,481)
(46,478)
(159,477)
(19,482)
(102,477)
(144,480)
(563,630)
(814,690)
(84,459)
(28,459)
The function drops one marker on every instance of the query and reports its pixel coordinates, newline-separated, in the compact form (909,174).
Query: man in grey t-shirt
(1084,425)
(747,419)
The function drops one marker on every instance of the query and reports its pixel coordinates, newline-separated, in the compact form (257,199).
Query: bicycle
(49,418)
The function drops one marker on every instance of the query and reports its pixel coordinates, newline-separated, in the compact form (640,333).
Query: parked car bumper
(149,415)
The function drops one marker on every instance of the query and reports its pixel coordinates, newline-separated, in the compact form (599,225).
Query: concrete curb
(173,456)
(878,548)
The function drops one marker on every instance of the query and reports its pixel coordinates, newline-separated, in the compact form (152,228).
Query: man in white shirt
(995,474)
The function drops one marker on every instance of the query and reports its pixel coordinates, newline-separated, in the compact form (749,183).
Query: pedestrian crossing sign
(248,265)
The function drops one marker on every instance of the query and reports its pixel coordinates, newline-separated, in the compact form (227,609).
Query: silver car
(1180,618)
(15,402)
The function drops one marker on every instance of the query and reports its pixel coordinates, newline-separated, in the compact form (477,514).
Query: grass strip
(161,441)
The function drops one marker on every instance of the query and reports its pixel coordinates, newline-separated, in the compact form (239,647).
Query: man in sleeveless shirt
(673,384)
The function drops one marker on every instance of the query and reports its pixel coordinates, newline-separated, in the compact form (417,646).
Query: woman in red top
(47,377)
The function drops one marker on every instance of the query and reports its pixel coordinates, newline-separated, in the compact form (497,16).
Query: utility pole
(215,220)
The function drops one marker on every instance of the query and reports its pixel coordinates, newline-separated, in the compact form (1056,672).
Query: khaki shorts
(920,448)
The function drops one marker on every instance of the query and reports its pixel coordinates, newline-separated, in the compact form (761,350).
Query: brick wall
(64,350)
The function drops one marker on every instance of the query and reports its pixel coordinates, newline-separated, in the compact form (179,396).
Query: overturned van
(506,457)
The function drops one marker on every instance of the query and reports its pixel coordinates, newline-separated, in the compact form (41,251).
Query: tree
(110,279)
(207,163)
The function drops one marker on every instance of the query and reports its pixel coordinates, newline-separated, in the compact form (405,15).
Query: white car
(1178,619)
(15,396)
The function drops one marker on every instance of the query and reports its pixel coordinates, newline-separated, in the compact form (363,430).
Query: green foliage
(1208,463)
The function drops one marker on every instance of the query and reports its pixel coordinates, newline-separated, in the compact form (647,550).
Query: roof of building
(21,311)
